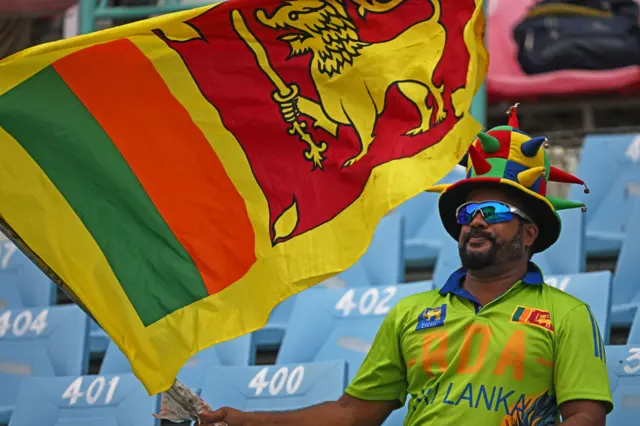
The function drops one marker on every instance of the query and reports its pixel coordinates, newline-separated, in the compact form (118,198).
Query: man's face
(482,245)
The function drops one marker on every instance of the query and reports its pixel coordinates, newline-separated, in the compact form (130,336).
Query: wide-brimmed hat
(507,158)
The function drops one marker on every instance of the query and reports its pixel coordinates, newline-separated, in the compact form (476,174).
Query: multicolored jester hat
(505,155)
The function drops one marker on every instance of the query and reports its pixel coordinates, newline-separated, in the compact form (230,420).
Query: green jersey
(510,362)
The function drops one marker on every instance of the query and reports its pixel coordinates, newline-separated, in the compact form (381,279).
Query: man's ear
(530,234)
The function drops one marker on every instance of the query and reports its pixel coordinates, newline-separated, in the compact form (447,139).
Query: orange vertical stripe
(513,355)
(435,356)
(169,154)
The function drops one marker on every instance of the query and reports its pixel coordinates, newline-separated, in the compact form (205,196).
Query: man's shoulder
(561,302)
(409,306)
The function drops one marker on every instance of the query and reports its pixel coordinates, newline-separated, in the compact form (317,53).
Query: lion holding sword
(353,76)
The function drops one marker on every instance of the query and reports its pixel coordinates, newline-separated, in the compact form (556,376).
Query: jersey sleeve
(382,376)
(580,370)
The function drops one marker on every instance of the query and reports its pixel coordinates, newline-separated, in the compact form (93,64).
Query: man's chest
(509,346)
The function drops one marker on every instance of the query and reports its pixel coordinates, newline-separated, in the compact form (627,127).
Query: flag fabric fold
(182,175)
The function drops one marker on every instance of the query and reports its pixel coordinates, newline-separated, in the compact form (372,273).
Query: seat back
(594,289)
(85,400)
(602,159)
(610,164)
(275,387)
(236,352)
(330,324)
(623,363)
(625,281)
(568,254)
(447,263)
(22,284)
(381,264)
(424,232)
(40,342)
(417,210)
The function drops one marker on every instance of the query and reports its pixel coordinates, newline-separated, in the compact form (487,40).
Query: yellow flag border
(95,284)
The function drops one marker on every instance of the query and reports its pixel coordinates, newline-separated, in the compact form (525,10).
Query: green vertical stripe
(517,314)
(58,132)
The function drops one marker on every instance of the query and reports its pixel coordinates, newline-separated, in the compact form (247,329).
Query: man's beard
(499,252)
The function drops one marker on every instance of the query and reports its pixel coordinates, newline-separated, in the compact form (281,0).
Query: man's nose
(478,221)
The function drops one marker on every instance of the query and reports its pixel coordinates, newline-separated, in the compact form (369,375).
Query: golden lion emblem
(544,320)
(352,76)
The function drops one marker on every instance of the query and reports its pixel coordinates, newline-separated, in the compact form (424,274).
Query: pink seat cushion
(507,81)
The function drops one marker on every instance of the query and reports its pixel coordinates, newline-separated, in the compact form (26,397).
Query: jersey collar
(454,283)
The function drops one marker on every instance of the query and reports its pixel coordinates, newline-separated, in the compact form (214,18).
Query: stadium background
(314,342)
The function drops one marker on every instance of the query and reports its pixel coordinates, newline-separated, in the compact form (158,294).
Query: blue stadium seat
(566,256)
(330,324)
(40,342)
(381,264)
(22,283)
(84,400)
(275,387)
(447,263)
(626,292)
(98,338)
(611,167)
(424,232)
(623,363)
(593,288)
(236,352)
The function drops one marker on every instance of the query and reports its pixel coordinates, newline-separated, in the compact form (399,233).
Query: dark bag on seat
(574,34)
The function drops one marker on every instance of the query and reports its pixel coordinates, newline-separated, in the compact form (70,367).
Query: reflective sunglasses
(491,211)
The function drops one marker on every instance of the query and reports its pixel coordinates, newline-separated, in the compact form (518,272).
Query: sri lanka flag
(180,176)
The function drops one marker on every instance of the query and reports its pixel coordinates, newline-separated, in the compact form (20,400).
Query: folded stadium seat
(506,80)
(85,401)
(330,324)
(98,338)
(610,165)
(623,363)
(22,283)
(423,230)
(236,352)
(566,256)
(275,387)
(40,342)
(626,291)
(594,289)
(381,264)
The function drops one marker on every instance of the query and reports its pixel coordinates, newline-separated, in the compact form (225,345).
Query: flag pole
(178,401)
(8,231)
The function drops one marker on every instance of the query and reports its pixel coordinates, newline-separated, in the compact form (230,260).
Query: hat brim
(541,210)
